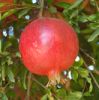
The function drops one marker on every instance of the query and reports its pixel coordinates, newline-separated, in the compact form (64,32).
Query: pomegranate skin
(48,46)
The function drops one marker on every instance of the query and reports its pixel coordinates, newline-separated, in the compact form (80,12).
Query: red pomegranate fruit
(48,46)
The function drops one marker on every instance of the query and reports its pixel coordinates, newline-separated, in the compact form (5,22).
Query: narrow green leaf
(23,12)
(94,35)
(90,87)
(4,97)
(8,13)
(10,75)
(74,96)
(24,79)
(76,4)
(9,60)
(45,97)
(78,64)
(89,81)
(83,72)
(3,73)
(63,5)
(75,13)
(75,75)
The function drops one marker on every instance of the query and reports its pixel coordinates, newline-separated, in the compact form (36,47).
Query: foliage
(14,77)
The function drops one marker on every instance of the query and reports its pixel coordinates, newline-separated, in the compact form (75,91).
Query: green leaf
(8,13)
(76,4)
(74,14)
(75,96)
(10,75)
(23,12)
(49,1)
(75,75)
(3,73)
(11,94)
(78,64)
(81,82)
(83,18)
(45,97)
(93,17)
(90,87)
(24,79)
(94,35)
(61,93)
(9,60)
(18,54)
(52,9)
(5,53)
(63,5)
(4,97)
(83,72)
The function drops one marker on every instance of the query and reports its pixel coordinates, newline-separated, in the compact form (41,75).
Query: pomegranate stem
(42,7)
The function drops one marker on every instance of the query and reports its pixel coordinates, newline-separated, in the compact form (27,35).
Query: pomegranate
(48,46)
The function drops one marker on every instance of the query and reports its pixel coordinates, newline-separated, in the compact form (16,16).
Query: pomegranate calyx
(54,79)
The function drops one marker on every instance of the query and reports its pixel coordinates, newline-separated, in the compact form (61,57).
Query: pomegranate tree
(48,46)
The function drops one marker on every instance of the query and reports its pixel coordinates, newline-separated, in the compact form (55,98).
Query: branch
(41,9)
(96,72)
(91,74)
(34,79)
(93,60)
(29,86)
(87,55)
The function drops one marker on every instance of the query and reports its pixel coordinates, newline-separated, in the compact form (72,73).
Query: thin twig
(96,71)
(34,79)
(29,86)
(93,60)
(94,79)
(87,55)
(41,9)
(91,74)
